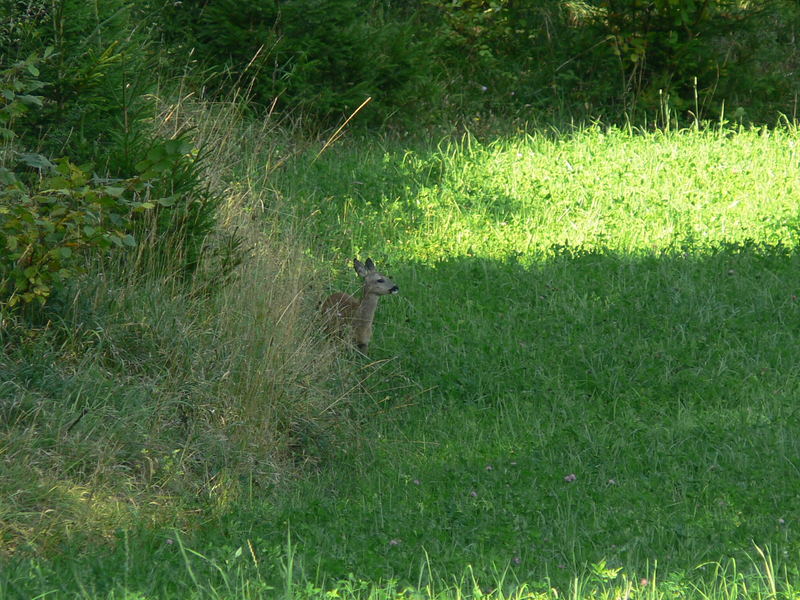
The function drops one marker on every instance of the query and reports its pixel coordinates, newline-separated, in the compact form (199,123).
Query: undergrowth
(138,396)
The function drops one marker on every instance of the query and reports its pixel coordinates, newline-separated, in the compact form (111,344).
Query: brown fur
(343,312)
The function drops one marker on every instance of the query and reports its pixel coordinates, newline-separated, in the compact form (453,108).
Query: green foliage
(612,57)
(679,48)
(18,25)
(17,93)
(52,215)
(94,74)
(430,61)
(96,109)
(45,231)
(758,76)
(322,58)
(186,212)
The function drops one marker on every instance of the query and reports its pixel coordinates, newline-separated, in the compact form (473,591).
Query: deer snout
(394,290)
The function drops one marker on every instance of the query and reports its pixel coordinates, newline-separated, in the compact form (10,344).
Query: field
(586,387)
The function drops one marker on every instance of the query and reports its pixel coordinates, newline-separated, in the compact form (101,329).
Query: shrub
(320,57)
(97,75)
(53,213)
(616,57)
(427,60)
(98,109)
(46,230)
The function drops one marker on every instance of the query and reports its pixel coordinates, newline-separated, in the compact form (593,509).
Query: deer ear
(370,265)
(360,268)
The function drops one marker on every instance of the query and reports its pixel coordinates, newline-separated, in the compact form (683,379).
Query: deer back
(339,309)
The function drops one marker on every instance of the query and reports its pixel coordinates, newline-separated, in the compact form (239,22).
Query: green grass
(614,305)
(590,377)
(521,196)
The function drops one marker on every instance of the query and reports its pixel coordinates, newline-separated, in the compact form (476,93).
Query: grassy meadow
(587,387)
(599,328)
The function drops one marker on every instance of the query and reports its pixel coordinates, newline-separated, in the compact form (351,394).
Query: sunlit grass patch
(597,188)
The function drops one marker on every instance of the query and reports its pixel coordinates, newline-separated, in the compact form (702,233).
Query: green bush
(428,61)
(53,214)
(45,231)
(96,74)
(615,57)
(98,109)
(759,73)
(685,49)
(322,58)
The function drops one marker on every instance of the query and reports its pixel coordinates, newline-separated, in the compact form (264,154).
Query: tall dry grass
(150,396)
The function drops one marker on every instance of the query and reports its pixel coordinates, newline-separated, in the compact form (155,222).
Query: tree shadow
(669,327)
(666,384)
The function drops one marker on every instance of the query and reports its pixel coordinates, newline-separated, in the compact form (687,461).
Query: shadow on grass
(590,406)
(587,407)
(675,327)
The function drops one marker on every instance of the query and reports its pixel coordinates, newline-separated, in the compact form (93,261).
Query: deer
(343,312)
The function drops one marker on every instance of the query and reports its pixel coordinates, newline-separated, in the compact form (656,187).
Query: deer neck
(366,310)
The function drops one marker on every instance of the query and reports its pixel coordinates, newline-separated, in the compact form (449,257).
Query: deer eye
(381,280)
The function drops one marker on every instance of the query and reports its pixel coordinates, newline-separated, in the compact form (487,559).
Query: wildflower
(570,478)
